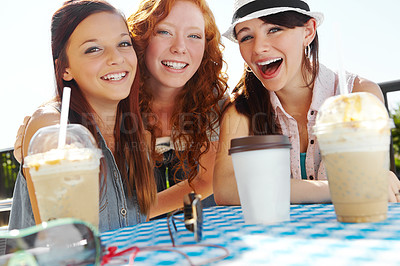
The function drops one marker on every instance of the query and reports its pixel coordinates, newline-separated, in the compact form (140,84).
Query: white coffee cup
(262,170)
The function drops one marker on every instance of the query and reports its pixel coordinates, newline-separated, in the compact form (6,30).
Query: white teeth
(269,61)
(174,65)
(116,76)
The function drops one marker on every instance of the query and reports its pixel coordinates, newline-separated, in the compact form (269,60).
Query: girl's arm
(41,118)
(309,191)
(172,198)
(19,138)
(364,85)
(233,125)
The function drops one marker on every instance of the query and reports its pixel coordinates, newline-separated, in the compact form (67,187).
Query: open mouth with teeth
(271,66)
(174,65)
(114,76)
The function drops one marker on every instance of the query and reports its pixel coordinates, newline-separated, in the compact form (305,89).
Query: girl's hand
(394,188)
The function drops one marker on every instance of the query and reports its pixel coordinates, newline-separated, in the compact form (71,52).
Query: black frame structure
(386,87)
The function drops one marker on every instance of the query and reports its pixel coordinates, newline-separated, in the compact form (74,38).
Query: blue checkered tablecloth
(311,237)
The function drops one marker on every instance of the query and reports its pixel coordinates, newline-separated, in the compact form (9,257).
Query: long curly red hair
(197,110)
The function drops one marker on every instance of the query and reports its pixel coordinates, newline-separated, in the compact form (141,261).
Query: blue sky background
(369,30)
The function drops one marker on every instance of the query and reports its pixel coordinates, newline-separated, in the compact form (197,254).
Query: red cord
(112,253)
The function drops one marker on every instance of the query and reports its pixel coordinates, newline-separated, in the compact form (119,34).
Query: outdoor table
(313,236)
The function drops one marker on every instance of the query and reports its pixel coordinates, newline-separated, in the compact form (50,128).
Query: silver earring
(307,51)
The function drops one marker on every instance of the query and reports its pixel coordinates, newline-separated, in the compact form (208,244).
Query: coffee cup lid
(259,142)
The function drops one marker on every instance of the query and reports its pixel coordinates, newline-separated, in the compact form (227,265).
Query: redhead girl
(178,46)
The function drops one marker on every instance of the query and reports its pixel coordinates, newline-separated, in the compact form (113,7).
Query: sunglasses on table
(193,221)
(193,217)
(70,241)
(65,241)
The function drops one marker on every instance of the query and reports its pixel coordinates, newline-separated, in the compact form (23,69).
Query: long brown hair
(252,99)
(196,112)
(131,154)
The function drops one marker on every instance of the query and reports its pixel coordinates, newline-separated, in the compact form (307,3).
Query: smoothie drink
(66,180)
(353,133)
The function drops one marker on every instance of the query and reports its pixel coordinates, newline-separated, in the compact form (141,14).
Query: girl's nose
(261,45)
(115,57)
(178,45)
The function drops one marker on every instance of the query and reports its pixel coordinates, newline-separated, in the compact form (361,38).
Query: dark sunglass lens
(199,220)
(64,244)
(188,215)
(74,244)
(188,209)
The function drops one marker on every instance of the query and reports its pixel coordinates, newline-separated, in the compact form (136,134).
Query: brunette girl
(281,92)
(93,54)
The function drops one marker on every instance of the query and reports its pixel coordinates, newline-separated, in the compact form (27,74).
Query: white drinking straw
(64,117)
(342,76)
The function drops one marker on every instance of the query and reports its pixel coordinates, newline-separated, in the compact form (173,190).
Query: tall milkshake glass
(65,179)
(353,133)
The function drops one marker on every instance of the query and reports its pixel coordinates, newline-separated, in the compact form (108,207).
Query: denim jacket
(116,209)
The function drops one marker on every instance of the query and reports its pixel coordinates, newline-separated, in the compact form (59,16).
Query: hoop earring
(247,68)
(307,51)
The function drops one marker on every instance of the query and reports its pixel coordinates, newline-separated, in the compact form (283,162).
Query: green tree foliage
(8,173)
(395,114)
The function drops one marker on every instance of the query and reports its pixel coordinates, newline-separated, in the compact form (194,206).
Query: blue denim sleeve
(21,215)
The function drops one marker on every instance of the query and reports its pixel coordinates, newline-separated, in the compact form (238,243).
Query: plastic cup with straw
(353,134)
(341,73)
(64,117)
(63,162)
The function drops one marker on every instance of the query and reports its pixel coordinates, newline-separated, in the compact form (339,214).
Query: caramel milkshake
(66,181)
(353,133)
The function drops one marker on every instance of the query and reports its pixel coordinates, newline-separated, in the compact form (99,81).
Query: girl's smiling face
(274,53)
(176,49)
(101,58)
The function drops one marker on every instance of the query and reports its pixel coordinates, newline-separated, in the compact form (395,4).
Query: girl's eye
(245,38)
(273,30)
(92,50)
(163,32)
(195,36)
(125,44)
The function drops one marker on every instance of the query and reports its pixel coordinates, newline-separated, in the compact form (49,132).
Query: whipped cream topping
(353,107)
(70,155)
(356,122)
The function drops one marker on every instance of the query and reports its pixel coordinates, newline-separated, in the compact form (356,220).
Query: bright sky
(368,29)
